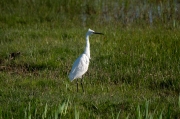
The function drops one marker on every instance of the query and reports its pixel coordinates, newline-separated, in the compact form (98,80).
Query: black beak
(98,33)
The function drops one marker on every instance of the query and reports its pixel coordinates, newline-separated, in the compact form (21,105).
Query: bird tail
(71,78)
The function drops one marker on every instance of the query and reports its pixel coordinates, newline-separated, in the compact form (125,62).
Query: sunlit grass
(124,72)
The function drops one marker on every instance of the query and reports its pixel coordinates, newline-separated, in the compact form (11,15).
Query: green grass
(134,70)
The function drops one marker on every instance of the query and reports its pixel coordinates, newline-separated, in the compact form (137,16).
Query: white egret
(81,64)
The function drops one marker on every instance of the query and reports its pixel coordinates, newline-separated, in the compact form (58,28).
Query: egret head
(90,32)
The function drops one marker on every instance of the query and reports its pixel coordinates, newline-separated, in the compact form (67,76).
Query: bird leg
(77,84)
(82,84)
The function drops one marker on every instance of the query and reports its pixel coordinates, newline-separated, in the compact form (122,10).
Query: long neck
(87,48)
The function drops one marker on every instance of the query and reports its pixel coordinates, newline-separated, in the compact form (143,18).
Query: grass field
(134,69)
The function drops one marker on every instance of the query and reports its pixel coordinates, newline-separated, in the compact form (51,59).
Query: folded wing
(79,67)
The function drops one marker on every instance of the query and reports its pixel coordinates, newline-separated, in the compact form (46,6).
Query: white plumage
(80,67)
(81,64)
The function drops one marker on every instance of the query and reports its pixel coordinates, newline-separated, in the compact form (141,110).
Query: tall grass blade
(127,116)
(66,107)
(147,111)
(76,113)
(169,112)
(117,117)
(113,115)
(61,108)
(45,111)
(160,116)
(25,113)
(179,102)
(139,116)
(56,114)
(29,111)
